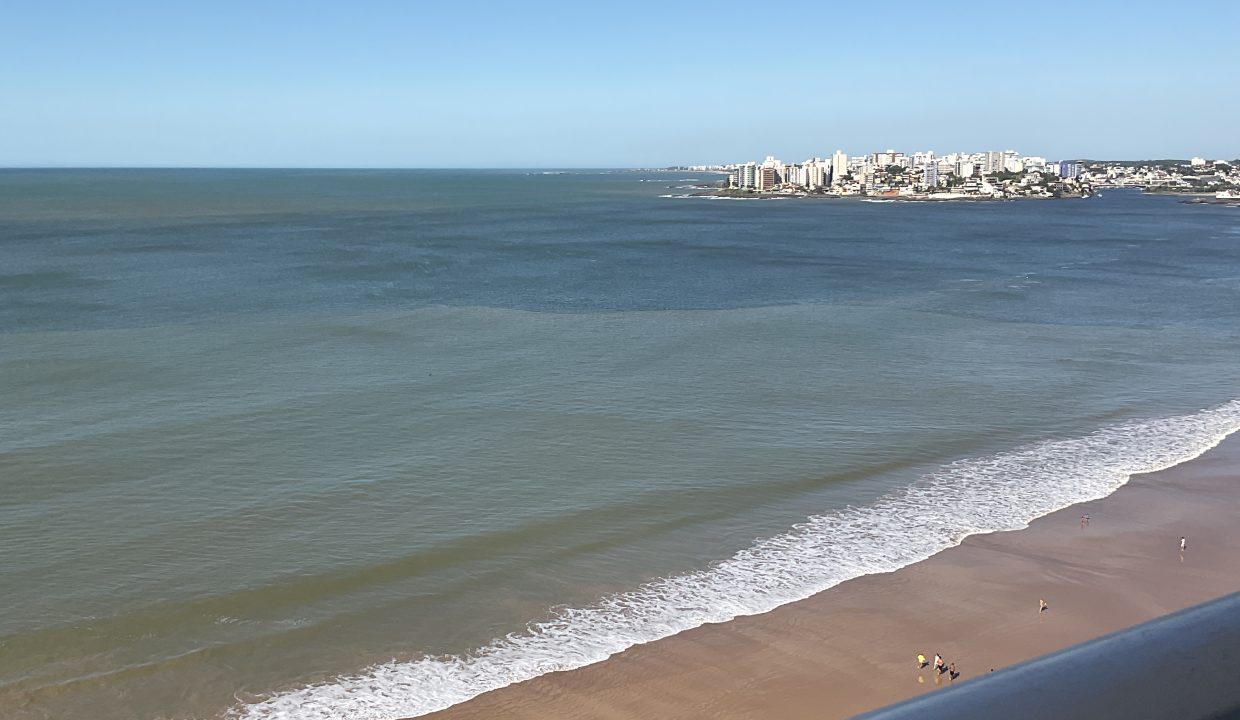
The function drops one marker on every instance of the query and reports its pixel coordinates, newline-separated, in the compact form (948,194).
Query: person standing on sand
(1183,544)
(938,662)
(952,672)
(921,661)
(1042,605)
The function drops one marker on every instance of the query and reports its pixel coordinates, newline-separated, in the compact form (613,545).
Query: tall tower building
(743,177)
(994,162)
(839,167)
(768,178)
(815,174)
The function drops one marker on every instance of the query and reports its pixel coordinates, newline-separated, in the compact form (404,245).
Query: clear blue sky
(580,84)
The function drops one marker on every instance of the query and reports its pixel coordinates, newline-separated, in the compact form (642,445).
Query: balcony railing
(1184,666)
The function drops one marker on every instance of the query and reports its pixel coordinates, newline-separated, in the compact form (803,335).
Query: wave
(701,196)
(710,196)
(999,492)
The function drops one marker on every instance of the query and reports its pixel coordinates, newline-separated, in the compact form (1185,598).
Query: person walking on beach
(1183,544)
(938,662)
(921,661)
(952,672)
(1042,605)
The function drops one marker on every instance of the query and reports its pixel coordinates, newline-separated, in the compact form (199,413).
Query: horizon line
(462,167)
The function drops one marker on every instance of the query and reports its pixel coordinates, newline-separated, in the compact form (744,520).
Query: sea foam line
(999,492)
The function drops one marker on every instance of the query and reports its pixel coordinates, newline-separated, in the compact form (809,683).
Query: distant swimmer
(1183,544)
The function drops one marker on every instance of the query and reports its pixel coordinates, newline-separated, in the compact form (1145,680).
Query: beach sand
(853,647)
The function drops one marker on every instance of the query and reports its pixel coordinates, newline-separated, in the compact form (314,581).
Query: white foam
(1001,492)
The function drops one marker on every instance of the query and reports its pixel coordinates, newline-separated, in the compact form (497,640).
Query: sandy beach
(852,648)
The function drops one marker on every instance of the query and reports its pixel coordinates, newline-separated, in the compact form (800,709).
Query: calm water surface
(264,431)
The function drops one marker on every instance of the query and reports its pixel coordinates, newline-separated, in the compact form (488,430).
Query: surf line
(999,492)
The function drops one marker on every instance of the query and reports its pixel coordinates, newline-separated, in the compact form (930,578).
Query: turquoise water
(266,431)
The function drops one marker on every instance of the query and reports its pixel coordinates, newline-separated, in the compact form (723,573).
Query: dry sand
(852,648)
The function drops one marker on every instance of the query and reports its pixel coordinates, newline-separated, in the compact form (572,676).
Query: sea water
(364,444)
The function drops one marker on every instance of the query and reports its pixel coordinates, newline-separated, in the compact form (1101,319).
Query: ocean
(363,444)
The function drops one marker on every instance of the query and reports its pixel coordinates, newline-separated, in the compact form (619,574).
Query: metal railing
(1184,666)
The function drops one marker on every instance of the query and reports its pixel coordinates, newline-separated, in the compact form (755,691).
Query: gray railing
(1185,666)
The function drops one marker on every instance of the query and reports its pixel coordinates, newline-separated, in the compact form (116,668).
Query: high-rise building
(745,176)
(930,175)
(819,175)
(993,162)
(768,178)
(883,159)
(839,167)
(1069,169)
(814,174)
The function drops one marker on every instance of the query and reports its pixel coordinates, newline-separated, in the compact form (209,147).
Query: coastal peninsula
(991,175)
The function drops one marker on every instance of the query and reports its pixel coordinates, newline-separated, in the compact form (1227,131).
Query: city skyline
(554,84)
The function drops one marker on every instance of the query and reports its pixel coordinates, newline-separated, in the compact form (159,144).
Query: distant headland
(990,175)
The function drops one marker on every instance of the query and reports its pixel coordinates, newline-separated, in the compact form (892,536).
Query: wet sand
(852,648)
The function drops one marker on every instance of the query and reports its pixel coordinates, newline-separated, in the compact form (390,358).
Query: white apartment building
(993,162)
(745,176)
(839,167)
(883,159)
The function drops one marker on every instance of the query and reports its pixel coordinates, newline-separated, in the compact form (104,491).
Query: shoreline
(850,648)
(723,195)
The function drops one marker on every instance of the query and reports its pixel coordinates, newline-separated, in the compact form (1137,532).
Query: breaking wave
(999,492)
